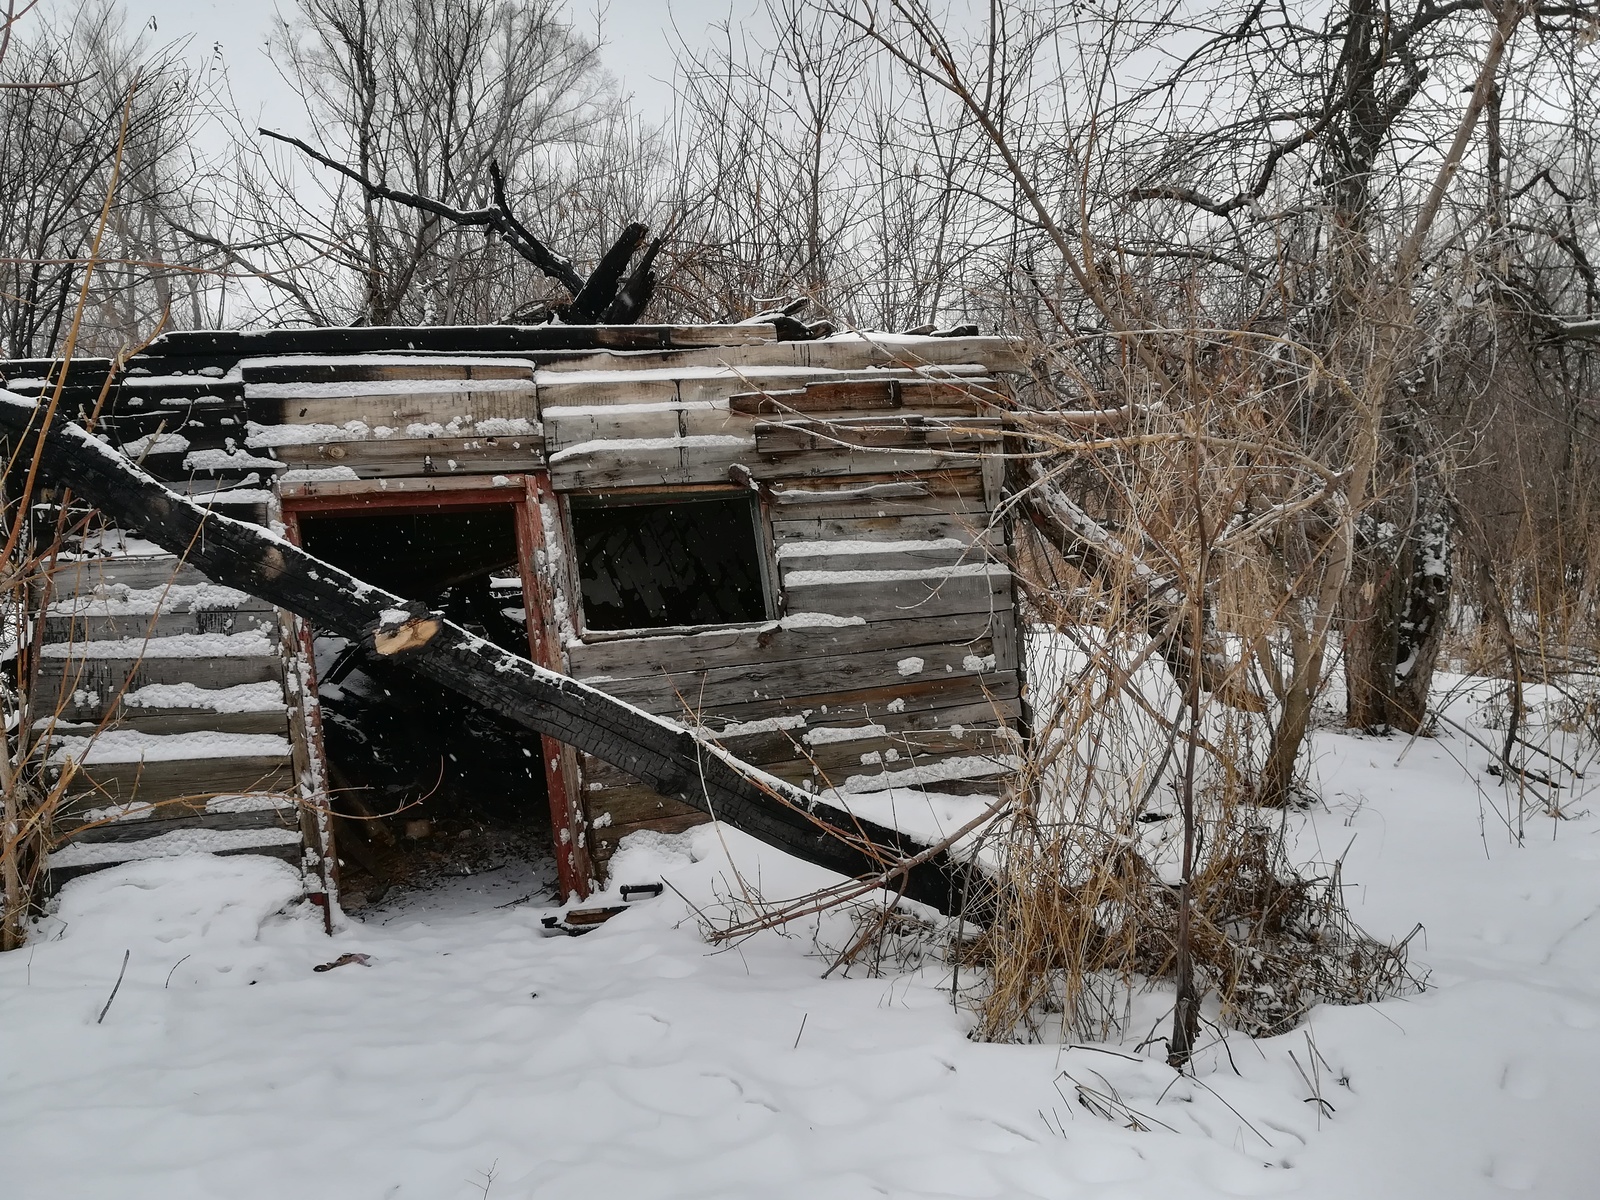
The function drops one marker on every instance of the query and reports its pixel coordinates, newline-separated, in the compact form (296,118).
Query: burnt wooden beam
(591,303)
(664,755)
(630,303)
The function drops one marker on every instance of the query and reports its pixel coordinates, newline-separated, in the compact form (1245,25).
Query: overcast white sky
(637,33)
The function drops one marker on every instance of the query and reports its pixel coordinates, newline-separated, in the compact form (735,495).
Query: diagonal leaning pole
(662,754)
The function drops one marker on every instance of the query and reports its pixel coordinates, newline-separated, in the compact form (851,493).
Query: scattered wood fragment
(344,960)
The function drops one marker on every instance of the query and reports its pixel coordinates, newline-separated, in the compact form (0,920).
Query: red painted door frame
(523,495)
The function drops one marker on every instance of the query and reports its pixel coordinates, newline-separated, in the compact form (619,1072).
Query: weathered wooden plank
(837,461)
(400,411)
(902,392)
(377,489)
(962,484)
(391,457)
(797,557)
(950,691)
(934,715)
(970,357)
(648,657)
(1005,638)
(623,800)
(868,595)
(798,436)
(681,692)
(787,755)
(132,571)
(608,389)
(910,527)
(565,427)
(89,625)
(945,494)
(653,462)
(184,720)
(302,371)
(156,782)
(138,829)
(150,392)
(871,777)
(204,366)
(759,334)
(16,370)
(780,383)
(84,688)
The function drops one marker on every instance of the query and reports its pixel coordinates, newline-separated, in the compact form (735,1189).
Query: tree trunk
(1374,598)
(1395,608)
(665,756)
(1278,773)
(1425,614)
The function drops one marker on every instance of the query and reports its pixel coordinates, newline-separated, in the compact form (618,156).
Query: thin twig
(126,954)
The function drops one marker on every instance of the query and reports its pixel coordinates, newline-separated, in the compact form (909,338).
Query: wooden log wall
(890,656)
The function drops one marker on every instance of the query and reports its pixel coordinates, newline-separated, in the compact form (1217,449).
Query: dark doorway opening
(426,783)
(656,561)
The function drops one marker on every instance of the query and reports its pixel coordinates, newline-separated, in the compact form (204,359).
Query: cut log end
(418,631)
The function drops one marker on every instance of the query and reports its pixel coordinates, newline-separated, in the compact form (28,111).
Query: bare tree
(416,100)
(58,148)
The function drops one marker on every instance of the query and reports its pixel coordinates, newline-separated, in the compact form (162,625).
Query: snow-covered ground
(472,1056)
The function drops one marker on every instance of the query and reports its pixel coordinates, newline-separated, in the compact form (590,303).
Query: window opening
(659,561)
(428,785)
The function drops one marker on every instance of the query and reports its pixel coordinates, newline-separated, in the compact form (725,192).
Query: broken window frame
(765,545)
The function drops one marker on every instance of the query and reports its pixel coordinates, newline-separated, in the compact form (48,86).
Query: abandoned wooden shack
(790,544)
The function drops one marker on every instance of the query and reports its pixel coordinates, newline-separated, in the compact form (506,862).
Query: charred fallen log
(665,756)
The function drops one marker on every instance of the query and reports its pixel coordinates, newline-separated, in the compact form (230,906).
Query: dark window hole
(658,562)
